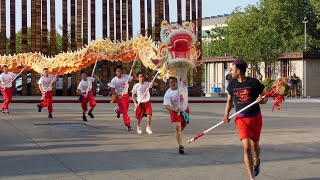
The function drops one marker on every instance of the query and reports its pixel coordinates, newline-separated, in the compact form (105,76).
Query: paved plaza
(35,147)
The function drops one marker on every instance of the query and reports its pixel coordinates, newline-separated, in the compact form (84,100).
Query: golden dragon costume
(175,54)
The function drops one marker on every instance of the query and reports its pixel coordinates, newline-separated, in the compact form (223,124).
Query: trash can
(216,90)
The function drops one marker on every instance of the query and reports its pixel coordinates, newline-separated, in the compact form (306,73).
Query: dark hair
(140,73)
(117,67)
(4,66)
(172,78)
(45,69)
(83,72)
(241,65)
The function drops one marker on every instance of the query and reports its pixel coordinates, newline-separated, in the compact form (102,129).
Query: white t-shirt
(119,83)
(83,85)
(140,89)
(6,79)
(45,82)
(171,97)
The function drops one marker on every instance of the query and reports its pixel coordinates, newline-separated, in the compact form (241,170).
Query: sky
(209,8)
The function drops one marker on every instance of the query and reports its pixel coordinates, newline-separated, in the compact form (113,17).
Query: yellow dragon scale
(141,47)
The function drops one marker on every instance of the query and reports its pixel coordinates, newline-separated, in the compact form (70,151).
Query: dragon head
(179,41)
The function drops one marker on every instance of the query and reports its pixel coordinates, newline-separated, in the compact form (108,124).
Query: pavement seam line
(40,147)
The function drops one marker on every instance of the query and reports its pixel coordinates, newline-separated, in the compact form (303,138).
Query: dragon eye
(166,33)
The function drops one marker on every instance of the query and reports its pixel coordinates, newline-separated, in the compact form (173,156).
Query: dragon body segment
(177,50)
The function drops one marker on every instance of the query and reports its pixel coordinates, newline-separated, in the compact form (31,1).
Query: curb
(108,101)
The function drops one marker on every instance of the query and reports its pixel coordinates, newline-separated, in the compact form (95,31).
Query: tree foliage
(265,29)
(316,4)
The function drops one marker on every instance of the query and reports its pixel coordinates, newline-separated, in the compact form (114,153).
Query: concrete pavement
(156,99)
(35,147)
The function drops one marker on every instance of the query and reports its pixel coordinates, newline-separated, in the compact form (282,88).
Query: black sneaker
(50,115)
(256,168)
(91,115)
(84,118)
(181,149)
(39,107)
(129,128)
(2,111)
(115,110)
(5,111)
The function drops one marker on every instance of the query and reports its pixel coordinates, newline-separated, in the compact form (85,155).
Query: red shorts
(143,109)
(249,127)
(175,118)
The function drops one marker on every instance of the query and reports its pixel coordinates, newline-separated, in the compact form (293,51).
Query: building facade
(306,65)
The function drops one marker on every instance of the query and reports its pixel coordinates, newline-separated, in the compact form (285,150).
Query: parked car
(19,85)
(59,85)
(99,89)
(191,90)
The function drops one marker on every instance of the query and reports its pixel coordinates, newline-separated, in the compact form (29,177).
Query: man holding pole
(84,90)
(176,102)
(142,101)
(119,88)
(45,86)
(6,79)
(243,91)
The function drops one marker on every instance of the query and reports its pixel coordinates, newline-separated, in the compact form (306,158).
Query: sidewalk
(34,147)
(106,99)
(156,99)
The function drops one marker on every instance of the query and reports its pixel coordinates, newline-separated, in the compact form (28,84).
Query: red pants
(175,118)
(143,109)
(47,101)
(90,99)
(249,127)
(123,108)
(7,97)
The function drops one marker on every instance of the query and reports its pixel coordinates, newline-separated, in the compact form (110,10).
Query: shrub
(268,84)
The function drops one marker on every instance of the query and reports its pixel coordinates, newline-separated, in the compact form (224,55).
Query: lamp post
(305,21)
(206,65)
(208,34)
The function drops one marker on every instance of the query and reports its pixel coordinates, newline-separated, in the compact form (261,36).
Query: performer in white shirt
(45,87)
(178,110)
(84,97)
(119,88)
(6,83)
(141,94)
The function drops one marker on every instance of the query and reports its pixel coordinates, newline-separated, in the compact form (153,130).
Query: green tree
(269,28)
(316,4)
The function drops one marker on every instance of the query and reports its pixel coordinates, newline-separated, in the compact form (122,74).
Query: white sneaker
(148,129)
(139,131)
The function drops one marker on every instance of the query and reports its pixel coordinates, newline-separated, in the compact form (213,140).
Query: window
(268,71)
(225,65)
(285,68)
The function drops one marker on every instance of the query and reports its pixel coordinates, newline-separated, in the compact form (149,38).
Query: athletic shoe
(128,128)
(5,111)
(139,131)
(256,168)
(2,111)
(91,115)
(116,111)
(148,129)
(39,107)
(84,118)
(181,149)
(50,115)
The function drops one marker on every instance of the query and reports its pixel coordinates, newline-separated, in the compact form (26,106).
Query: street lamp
(206,65)
(305,21)
(208,34)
